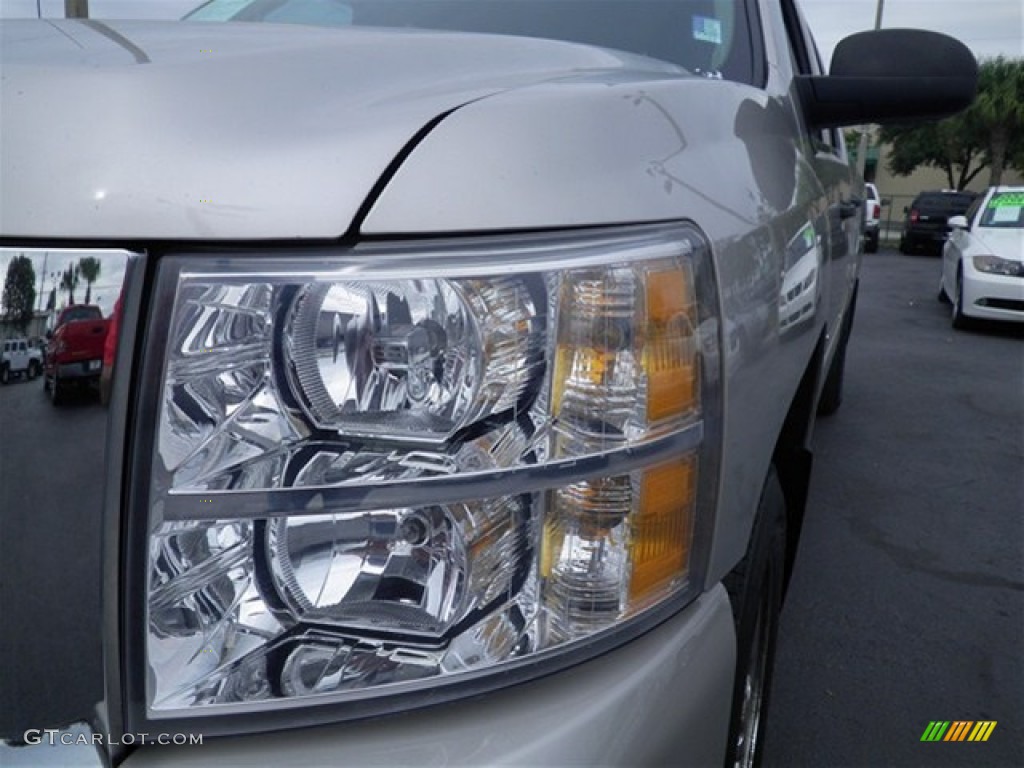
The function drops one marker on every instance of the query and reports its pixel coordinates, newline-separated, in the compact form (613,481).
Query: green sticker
(1007,200)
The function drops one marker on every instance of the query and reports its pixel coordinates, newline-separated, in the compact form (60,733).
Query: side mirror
(891,75)
(958,222)
(49,334)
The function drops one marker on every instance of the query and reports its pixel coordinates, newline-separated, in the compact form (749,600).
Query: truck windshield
(706,37)
(82,313)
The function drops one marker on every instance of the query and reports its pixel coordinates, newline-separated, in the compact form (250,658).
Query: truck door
(844,214)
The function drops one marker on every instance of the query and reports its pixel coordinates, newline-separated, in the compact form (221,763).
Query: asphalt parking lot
(907,600)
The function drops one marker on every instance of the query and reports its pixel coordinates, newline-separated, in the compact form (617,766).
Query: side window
(808,62)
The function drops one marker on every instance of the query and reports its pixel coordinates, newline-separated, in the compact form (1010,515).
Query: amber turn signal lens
(661,532)
(670,350)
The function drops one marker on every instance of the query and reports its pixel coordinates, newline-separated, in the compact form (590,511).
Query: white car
(983,260)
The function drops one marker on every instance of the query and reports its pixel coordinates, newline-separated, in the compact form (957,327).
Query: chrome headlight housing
(391,469)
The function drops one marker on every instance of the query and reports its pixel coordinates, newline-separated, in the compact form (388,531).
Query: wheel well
(792,456)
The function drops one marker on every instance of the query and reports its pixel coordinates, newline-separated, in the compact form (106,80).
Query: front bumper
(992,297)
(662,699)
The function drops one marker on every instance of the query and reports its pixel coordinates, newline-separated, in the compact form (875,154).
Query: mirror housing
(890,75)
(958,222)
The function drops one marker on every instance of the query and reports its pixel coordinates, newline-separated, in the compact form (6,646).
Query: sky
(104,291)
(988,27)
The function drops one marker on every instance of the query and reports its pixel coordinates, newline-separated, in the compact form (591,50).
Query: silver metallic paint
(142,126)
(543,135)
(663,699)
(732,158)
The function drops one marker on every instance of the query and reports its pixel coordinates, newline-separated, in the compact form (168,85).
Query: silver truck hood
(148,130)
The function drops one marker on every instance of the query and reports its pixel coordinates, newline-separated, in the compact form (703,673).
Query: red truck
(74,354)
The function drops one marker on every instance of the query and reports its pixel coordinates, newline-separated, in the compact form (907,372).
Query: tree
(998,113)
(89,268)
(988,134)
(69,281)
(949,145)
(19,295)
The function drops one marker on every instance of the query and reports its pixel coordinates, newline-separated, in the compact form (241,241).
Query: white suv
(19,358)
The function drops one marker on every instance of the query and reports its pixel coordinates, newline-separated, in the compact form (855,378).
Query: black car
(925,224)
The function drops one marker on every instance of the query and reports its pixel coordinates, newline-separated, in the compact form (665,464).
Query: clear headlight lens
(412,359)
(994,265)
(386,468)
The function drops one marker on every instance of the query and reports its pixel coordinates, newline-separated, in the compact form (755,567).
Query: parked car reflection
(801,288)
(52,465)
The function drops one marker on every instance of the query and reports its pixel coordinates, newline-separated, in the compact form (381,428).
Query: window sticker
(1007,200)
(1002,214)
(808,234)
(707,30)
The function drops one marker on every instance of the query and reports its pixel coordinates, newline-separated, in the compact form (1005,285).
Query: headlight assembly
(994,265)
(392,468)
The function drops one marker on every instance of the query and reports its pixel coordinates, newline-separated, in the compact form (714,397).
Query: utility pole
(76,9)
(862,147)
(42,281)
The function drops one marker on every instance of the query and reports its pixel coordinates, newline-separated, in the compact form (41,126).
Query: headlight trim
(359,704)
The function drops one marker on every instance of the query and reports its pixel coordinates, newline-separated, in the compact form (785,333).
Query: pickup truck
(74,352)
(19,358)
(425,443)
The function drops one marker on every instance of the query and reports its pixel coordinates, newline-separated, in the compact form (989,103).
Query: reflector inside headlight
(390,467)
(413,359)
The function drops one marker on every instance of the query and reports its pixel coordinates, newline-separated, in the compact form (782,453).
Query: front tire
(5,375)
(33,370)
(960,320)
(755,588)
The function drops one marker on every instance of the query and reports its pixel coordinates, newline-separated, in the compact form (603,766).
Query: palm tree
(89,267)
(69,281)
(999,111)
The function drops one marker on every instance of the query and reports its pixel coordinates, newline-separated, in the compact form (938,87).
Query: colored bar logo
(958,730)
